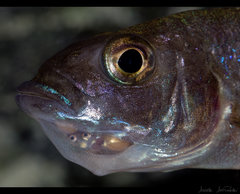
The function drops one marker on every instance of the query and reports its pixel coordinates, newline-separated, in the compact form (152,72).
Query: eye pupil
(130,61)
(73,138)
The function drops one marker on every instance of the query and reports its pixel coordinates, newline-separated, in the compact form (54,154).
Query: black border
(124,3)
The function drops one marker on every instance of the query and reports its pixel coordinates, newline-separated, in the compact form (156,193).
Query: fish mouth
(82,130)
(34,99)
(97,145)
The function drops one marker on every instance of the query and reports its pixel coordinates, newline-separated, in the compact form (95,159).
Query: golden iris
(128,59)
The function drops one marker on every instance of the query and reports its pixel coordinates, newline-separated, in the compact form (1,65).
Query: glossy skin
(180,110)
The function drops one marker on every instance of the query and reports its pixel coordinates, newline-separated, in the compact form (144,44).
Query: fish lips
(54,115)
(38,103)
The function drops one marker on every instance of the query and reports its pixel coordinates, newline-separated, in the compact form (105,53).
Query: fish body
(158,96)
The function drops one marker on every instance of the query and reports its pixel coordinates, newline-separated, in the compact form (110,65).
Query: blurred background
(29,36)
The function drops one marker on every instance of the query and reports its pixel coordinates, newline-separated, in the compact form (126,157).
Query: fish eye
(128,59)
(86,136)
(73,138)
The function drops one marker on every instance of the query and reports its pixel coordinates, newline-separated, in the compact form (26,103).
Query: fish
(158,96)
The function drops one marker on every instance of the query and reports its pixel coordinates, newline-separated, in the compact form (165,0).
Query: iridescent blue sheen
(117,121)
(222,59)
(48,89)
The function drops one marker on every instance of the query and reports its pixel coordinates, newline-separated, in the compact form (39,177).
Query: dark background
(28,36)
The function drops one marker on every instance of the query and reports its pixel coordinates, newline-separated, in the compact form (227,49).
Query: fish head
(125,101)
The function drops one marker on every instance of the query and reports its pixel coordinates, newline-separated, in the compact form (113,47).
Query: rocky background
(28,36)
